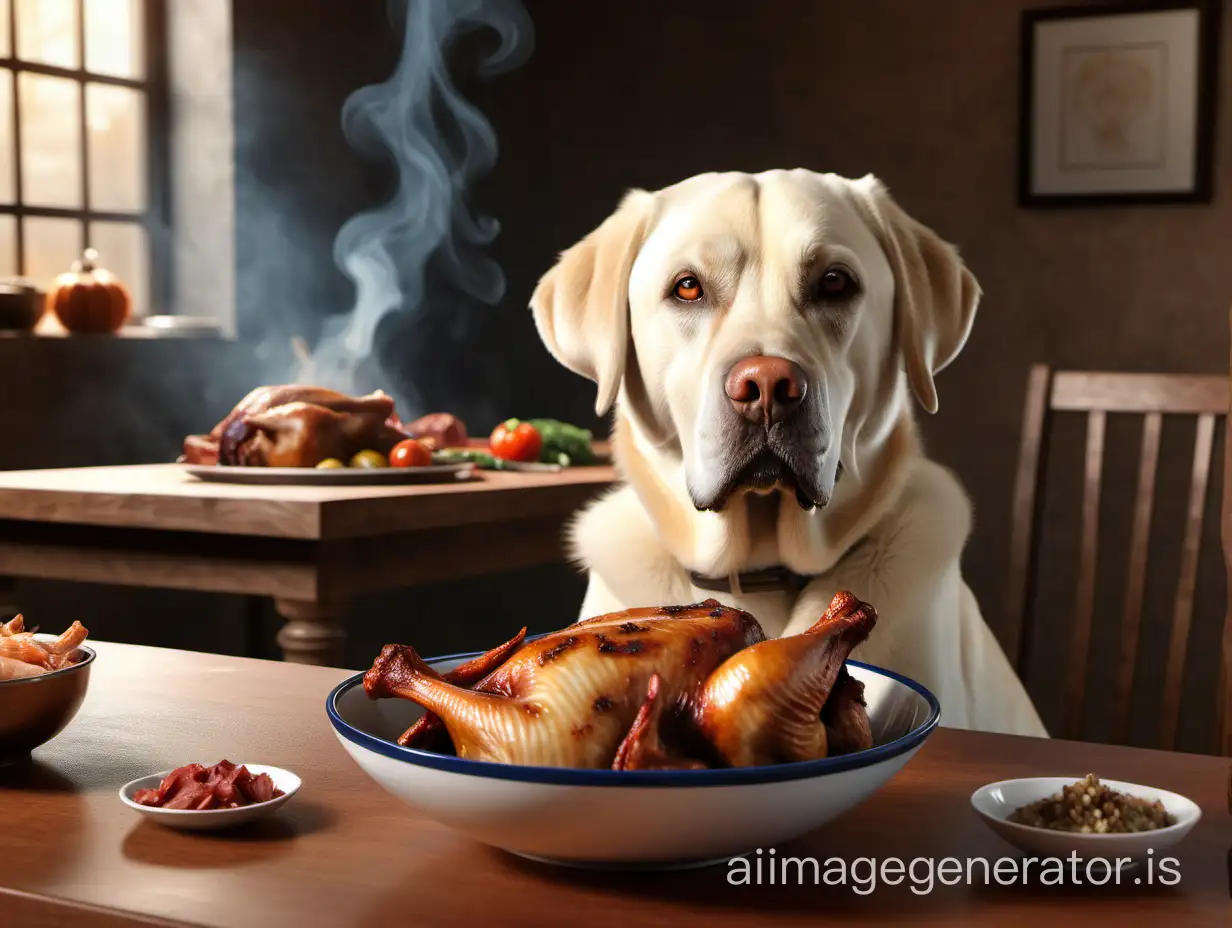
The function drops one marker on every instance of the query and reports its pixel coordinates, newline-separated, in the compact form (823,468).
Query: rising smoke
(440,145)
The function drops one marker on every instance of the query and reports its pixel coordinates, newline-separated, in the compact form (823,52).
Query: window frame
(156,218)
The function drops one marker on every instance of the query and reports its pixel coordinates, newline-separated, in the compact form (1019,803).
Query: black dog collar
(768,580)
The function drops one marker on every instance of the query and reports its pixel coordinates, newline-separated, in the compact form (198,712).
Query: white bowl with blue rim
(618,818)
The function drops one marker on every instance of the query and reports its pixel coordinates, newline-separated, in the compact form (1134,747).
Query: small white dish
(997,801)
(211,819)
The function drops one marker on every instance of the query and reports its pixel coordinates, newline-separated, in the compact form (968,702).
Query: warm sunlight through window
(78,169)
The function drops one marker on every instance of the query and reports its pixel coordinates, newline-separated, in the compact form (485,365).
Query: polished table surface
(166,497)
(312,549)
(343,852)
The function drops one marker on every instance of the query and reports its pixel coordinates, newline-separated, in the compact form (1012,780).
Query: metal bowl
(33,710)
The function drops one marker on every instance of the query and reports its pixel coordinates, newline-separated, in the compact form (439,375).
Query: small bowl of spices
(1094,818)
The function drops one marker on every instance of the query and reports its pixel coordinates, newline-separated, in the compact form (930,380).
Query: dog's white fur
(892,529)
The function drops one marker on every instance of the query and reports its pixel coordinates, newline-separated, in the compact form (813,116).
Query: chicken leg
(429,732)
(764,704)
(643,747)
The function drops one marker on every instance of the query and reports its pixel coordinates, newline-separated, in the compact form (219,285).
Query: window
(82,106)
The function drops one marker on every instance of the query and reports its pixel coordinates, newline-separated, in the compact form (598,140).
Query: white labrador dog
(760,337)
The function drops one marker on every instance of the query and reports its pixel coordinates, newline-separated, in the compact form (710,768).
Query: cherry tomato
(410,453)
(513,440)
(330,464)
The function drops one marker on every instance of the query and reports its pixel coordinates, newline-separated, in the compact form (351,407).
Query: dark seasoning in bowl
(1090,807)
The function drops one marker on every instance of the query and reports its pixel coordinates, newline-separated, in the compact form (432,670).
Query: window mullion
(76,74)
(17,180)
(85,125)
(159,221)
(149,87)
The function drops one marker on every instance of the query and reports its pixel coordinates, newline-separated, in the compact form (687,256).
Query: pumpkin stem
(89,261)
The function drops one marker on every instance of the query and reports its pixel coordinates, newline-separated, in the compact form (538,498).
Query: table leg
(254,639)
(313,633)
(7,611)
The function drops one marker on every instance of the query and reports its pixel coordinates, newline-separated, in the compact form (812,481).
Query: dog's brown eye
(688,289)
(836,283)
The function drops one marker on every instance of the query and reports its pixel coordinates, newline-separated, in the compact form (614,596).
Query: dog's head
(762,323)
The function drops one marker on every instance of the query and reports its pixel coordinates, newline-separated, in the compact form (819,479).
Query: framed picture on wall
(1118,104)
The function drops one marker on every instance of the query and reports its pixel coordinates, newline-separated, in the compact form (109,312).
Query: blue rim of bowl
(63,671)
(571,776)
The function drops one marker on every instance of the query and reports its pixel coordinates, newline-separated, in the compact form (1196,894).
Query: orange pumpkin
(89,298)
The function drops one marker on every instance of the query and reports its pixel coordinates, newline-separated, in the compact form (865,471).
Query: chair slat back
(1098,395)
(1139,544)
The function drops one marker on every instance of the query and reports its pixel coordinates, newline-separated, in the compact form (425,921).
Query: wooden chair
(1097,395)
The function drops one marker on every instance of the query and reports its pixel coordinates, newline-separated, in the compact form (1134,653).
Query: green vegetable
(563,443)
(480,459)
(330,464)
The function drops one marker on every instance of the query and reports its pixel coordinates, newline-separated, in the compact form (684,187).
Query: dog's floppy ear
(581,306)
(935,295)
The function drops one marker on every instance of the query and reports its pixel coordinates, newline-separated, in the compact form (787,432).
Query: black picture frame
(1206,106)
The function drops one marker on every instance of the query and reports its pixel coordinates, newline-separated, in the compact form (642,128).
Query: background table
(310,548)
(343,852)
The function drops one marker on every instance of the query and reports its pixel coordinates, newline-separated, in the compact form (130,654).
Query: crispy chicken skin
(297,426)
(303,434)
(765,705)
(300,426)
(24,655)
(673,687)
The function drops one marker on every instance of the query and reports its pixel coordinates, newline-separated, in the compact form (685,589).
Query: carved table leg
(313,633)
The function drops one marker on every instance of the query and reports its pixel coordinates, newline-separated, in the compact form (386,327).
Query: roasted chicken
(675,687)
(300,426)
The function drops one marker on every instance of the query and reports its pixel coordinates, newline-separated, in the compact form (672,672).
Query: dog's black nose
(766,390)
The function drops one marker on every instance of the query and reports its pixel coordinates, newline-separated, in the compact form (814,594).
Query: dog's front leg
(627,563)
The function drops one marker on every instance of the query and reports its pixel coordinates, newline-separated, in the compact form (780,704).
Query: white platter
(342,476)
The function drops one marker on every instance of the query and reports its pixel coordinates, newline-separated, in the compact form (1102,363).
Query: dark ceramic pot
(33,710)
(21,306)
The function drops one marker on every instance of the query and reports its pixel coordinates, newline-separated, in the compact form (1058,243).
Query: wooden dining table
(343,852)
(310,548)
